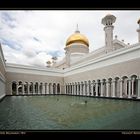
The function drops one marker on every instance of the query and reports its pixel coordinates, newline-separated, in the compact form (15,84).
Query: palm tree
(54,58)
(48,63)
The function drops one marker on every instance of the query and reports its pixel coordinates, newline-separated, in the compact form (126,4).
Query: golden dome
(77,37)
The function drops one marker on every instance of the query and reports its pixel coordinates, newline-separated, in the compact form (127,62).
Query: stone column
(48,88)
(60,89)
(68,88)
(138,95)
(38,89)
(102,88)
(65,89)
(52,89)
(77,89)
(126,88)
(129,88)
(73,89)
(16,89)
(83,89)
(121,86)
(107,88)
(91,87)
(28,88)
(80,93)
(113,91)
(43,88)
(132,87)
(33,88)
(23,89)
(87,88)
(96,88)
(55,88)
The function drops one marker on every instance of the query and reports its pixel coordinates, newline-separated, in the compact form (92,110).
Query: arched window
(117,86)
(54,88)
(40,88)
(14,87)
(36,87)
(20,88)
(134,85)
(26,88)
(50,88)
(125,86)
(58,88)
(31,88)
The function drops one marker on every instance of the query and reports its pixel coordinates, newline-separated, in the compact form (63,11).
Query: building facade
(111,71)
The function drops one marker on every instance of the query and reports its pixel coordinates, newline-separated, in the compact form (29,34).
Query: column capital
(107,82)
(133,79)
(129,79)
(92,83)
(121,80)
(96,82)
(113,80)
(102,81)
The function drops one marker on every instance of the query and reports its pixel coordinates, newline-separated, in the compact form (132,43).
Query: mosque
(112,71)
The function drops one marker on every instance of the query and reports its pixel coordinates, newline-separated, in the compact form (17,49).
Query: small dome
(138,21)
(77,37)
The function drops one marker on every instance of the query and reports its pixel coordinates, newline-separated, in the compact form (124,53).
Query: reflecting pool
(55,112)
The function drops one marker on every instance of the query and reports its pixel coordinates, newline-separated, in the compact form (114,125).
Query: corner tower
(77,45)
(108,21)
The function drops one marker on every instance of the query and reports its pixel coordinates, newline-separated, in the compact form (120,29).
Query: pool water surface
(55,112)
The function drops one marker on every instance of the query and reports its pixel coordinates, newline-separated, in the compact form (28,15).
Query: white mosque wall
(2,74)
(2,87)
(31,78)
(119,70)
(75,56)
(119,63)
(106,60)
(91,55)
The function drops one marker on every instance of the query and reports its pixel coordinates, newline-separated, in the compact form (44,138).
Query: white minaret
(108,21)
(138,30)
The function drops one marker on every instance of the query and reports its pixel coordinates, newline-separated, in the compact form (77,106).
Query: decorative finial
(77,30)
